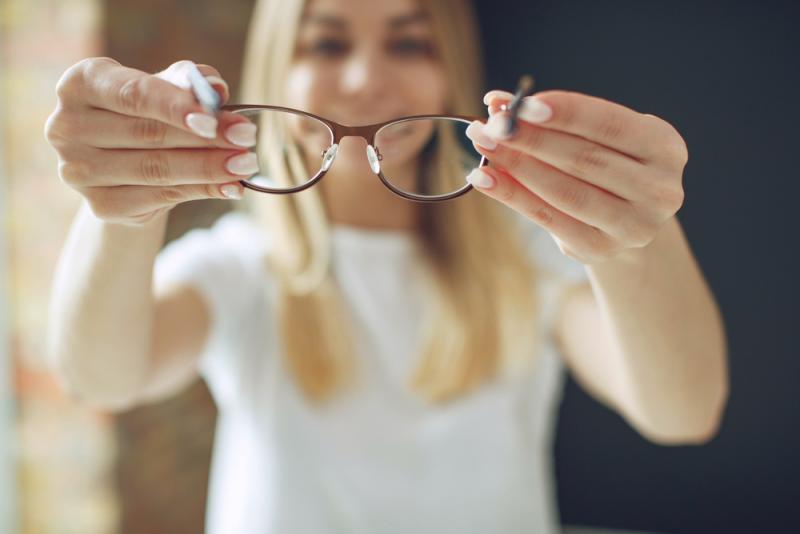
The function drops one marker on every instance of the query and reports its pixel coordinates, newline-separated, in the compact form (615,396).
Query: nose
(363,75)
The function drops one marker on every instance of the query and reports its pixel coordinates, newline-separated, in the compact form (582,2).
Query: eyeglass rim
(366,132)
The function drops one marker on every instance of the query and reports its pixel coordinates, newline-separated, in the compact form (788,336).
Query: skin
(355,67)
(644,335)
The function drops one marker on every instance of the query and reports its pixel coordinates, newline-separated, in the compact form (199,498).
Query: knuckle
(176,107)
(74,173)
(567,109)
(145,218)
(667,198)
(170,195)
(65,85)
(71,84)
(209,191)
(539,213)
(611,126)
(99,204)
(588,159)
(150,131)
(677,152)
(571,196)
(54,128)
(210,167)
(514,160)
(92,67)
(673,200)
(638,233)
(596,244)
(534,138)
(154,168)
(130,96)
(671,145)
(506,194)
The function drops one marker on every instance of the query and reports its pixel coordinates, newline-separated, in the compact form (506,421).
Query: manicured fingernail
(231,191)
(479,178)
(496,93)
(202,124)
(475,132)
(496,127)
(242,134)
(534,110)
(216,80)
(243,164)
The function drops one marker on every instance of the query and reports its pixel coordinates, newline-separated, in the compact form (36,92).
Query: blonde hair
(481,312)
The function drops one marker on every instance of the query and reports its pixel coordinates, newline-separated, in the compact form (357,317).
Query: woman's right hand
(135,145)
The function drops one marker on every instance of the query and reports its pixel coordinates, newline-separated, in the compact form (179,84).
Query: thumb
(178,74)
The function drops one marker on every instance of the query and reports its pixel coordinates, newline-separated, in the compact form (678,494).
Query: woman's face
(365,61)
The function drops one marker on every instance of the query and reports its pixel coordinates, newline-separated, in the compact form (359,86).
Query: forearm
(669,336)
(100,316)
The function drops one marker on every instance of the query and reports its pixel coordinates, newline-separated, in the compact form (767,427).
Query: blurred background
(724,74)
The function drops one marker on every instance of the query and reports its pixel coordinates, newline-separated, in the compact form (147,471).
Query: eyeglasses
(296,148)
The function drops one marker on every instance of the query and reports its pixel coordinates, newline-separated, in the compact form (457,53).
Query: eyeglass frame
(366,132)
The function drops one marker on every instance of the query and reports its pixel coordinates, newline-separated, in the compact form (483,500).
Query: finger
(215,79)
(575,233)
(497,94)
(578,199)
(576,156)
(178,74)
(107,129)
(495,99)
(131,201)
(635,134)
(135,93)
(110,167)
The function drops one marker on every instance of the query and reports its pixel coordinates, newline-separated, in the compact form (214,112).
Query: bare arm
(129,143)
(114,342)
(101,309)
(647,339)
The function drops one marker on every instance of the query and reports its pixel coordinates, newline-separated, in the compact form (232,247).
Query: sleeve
(211,261)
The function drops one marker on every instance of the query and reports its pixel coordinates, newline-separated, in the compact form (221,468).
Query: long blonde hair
(482,313)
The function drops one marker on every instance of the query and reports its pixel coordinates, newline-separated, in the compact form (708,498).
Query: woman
(380,365)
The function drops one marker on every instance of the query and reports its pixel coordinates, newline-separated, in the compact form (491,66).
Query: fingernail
(202,124)
(496,127)
(218,81)
(488,97)
(475,132)
(479,178)
(243,164)
(534,110)
(231,191)
(242,134)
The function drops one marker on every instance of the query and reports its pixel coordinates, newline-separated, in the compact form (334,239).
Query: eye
(328,47)
(411,47)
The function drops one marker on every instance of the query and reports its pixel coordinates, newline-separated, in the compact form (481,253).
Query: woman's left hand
(600,177)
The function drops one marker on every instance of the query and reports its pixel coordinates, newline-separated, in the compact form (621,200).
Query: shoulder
(222,261)
(232,238)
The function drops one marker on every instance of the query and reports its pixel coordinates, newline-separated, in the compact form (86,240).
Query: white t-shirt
(376,460)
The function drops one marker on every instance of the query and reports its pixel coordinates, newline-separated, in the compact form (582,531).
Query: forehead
(344,14)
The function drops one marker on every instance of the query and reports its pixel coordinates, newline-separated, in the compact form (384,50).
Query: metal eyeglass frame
(366,132)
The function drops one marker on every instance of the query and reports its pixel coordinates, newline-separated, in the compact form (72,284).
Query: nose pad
(374,158)
(328,156)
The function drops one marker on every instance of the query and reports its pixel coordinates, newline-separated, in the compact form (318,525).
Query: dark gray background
(725,74)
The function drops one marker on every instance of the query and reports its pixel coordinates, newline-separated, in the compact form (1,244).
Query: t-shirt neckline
(372,238)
